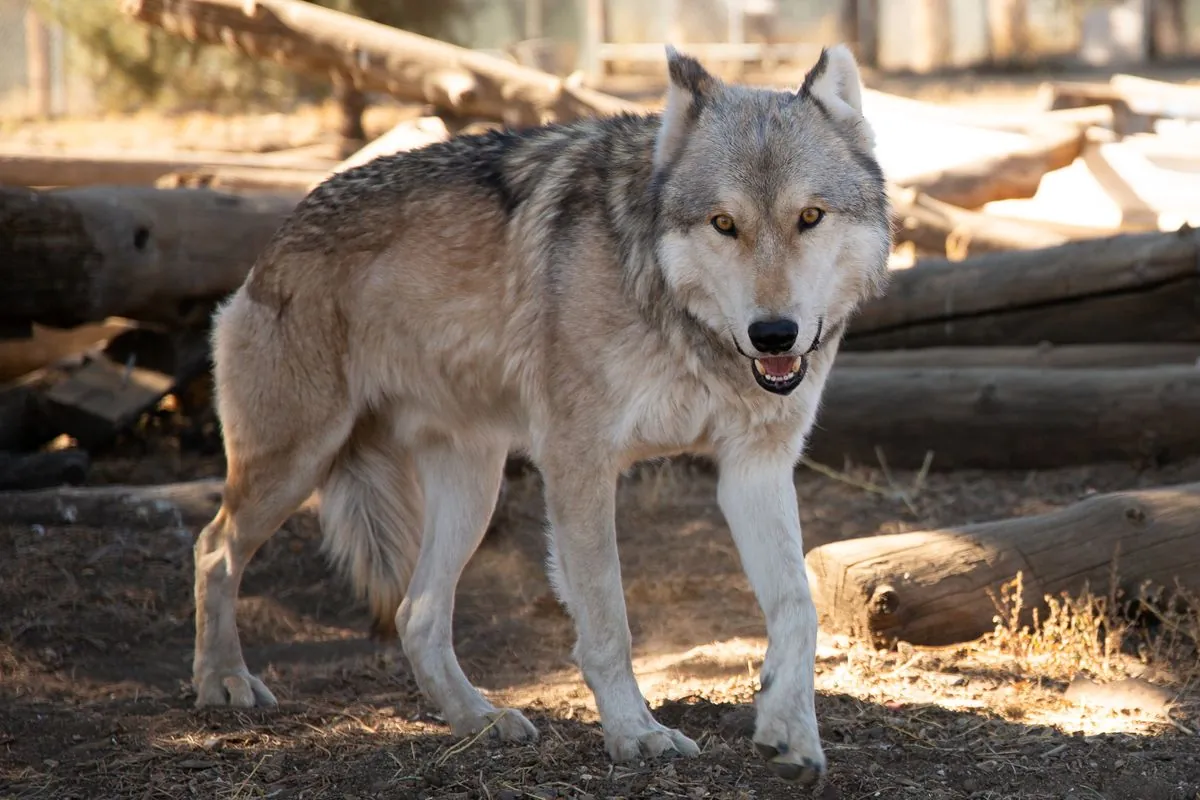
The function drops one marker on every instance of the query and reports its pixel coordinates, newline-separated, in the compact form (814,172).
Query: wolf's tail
(371,517)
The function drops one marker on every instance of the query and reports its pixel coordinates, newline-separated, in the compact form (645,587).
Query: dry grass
(1100,635)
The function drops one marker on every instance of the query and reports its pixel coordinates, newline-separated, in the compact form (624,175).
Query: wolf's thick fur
(589,294)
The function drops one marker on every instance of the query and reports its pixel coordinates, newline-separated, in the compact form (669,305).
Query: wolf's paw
(234,687)
(648,741)
(791,746)
(502,725)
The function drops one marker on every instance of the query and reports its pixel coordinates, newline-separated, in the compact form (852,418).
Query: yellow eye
(810,216)
(724,224)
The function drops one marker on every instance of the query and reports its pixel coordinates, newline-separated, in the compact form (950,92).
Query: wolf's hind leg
(260,493)
(586,572)
(460,482)
(284,416)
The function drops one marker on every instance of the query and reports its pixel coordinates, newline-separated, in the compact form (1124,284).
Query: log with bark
(379,58)
(1009,176)
(947,230)
(44,170)
(73,256)
(32,471)
(1128,288)
(932,587)
(177,505)
(1008,417)
(1081,356)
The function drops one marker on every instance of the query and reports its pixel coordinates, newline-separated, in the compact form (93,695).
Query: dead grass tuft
(1102,636)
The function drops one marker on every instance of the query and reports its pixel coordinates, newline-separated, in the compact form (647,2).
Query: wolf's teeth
(761,369)
(796,362)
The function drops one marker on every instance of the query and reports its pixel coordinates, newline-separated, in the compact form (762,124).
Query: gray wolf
(591,294)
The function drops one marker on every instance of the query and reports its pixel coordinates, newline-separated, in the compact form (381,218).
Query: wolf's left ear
(689,88)
(835,81)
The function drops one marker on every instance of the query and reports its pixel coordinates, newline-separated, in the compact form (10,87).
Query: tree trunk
(1010,176)
(379,58)
(1083,356)
(1127,288)
(1008,417)
(73,256)
(931,587)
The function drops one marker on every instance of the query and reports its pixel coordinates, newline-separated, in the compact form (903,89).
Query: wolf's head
(774,211)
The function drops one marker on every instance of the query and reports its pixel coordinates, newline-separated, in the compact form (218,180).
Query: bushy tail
(370,514)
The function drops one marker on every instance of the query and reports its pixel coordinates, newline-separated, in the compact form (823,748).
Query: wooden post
(37,64)
(533,19)
(868,32)
(933,26)
(593,37)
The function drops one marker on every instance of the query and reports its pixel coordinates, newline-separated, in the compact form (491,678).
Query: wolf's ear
(835,81)
(689,88)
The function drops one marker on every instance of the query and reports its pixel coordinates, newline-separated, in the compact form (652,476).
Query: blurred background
(78,57)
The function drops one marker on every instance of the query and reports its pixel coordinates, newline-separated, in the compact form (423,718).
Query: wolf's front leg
(758,498)
(586,574)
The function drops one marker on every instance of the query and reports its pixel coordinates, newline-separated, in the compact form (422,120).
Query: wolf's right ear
(689,88)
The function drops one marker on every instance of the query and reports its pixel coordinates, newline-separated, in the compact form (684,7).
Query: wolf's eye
(724,225)
(809,217)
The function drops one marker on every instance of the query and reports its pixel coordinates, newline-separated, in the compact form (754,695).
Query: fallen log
(379,58)
(1009,176)
(32,471)
(178,505)
(1127,288)
(1080,356)
(938,227)
(47,345)
(932,587)
(407,135)
(1145,95)
(1008,417)
(1064,95)
(74,256)
(290,183)
(45,170)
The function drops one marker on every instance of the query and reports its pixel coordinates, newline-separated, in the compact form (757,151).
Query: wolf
(589,294)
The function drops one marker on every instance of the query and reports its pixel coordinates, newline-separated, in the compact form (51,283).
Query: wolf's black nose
(773,336)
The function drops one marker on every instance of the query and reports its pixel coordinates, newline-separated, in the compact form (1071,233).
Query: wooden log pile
(1017,338)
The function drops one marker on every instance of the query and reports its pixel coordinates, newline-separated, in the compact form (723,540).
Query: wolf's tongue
(779,366)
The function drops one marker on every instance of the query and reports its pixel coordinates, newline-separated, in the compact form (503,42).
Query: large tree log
(27,169)
(80,255)
(175,505)
(1126,288)
(1081,356)
(379,58)
(1008,417)
(931,587)
(1010,176)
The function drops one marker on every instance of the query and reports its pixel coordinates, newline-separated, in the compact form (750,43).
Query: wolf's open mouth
(780,374)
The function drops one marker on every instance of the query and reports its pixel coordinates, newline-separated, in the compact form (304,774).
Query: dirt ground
(96,634)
